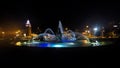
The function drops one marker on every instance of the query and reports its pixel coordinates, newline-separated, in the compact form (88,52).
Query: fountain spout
(60,31)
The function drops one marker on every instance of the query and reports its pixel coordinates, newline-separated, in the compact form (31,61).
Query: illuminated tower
(28,28)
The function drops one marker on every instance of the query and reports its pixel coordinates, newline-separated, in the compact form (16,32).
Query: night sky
(47,14)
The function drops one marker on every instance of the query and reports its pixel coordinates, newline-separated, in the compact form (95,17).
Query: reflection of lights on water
(70,43)
(58,45)
(103,43)
(24,42)
(96,43)
(44,45)
(18,44)
(35,42)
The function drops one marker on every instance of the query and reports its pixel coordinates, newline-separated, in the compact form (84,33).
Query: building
(28,28)
(113,30)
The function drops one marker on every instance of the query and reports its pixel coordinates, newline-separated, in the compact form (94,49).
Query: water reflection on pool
(81,43)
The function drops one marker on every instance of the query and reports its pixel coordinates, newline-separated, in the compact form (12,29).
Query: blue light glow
(58,45)
(43,45)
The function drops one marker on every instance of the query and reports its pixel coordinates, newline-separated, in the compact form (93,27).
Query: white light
(115,26)
(28,22)
(95,29)
(24,35)
(88,31)
(87,26)
(57,45)
(71,43)
(24,42)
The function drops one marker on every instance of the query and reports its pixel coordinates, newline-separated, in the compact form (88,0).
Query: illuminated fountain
(48,35)
(62,39)
(62,36)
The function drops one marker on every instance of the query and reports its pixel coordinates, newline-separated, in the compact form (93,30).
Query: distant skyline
(47,14)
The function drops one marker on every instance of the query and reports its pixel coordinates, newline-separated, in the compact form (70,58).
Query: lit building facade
(28,28)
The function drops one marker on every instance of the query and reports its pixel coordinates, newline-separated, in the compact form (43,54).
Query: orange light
(18,44)
(3,32)
(24,35)
(85,41)
(16,32)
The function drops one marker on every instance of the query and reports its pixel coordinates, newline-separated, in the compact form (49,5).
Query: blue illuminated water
(56,44)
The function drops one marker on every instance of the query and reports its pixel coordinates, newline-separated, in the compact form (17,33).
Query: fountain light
(57,45)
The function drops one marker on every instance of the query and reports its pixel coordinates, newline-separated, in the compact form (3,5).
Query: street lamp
(24,35)
(18,33)
(3,32)
(95,29)
(88,31)
(87,26)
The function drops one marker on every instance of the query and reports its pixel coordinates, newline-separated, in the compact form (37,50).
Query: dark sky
(73,14)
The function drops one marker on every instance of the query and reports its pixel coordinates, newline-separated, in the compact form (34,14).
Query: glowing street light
(88,31)
(3,32)
(24,35)
(95,29)
(66,28)
(16,32)
(87,26)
